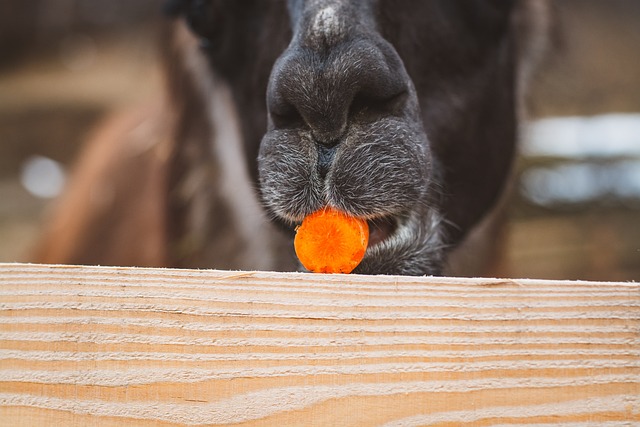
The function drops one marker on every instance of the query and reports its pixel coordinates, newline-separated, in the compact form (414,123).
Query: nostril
(283,113)
(367,106)
(286,115)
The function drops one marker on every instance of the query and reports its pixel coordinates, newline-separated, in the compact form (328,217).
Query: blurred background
(575,211)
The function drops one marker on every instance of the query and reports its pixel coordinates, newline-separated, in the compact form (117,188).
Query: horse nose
(325,88)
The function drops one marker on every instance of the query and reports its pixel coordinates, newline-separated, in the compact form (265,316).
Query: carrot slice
(330,241)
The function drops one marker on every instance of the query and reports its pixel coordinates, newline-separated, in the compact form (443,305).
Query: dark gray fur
(401,109)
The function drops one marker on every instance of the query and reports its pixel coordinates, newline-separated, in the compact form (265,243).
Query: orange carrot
(330,241)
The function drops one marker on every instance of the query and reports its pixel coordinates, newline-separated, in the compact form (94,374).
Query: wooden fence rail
(140,347)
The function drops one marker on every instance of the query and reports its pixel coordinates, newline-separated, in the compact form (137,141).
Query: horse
(404,113)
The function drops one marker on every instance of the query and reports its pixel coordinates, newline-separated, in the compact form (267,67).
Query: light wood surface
(139,347)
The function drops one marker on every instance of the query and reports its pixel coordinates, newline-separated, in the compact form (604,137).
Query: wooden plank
(109,346)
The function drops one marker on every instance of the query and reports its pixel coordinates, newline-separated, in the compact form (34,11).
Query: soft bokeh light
(42,176)
(588,159)
(603,135)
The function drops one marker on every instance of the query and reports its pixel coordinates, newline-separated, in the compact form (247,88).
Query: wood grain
(116,346)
